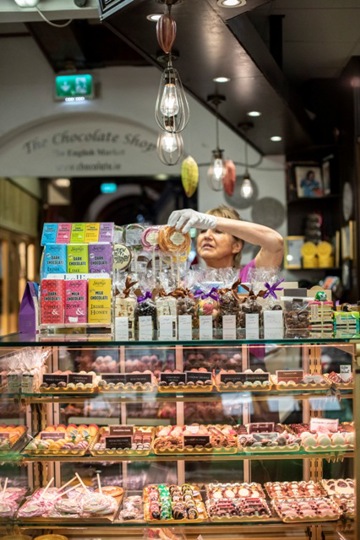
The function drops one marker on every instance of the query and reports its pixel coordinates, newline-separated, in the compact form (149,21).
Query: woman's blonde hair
(229,213)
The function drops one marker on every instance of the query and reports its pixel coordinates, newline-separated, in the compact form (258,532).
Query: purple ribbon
(146,296)
(211,294)
(271,289)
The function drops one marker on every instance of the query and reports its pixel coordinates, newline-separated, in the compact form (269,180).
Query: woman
(222,236)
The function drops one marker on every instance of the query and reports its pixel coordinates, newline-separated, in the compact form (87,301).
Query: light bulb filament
(169,105)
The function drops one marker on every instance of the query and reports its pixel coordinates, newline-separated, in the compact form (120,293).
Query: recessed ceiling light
(26,3)
(231,3)
(254,113)
(153,17)
(221,79)
(275,138)
(161,176)
(62,182)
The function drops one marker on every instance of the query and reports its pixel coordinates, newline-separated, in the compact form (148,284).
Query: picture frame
(293,257)
(308,179)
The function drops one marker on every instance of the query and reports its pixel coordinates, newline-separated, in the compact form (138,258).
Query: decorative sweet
(195,438)
(172,380)
(295,490)
(230,379)
(341,487)
(121,440)
(313,509)
(132,508)
(242,508)
(268,441)
(10,435)
(234,490)
(138,381)
(63,440)
(165,502)
(150,239)
(173,241)
(10,499)
(342,439)
(68,381)
(291,379)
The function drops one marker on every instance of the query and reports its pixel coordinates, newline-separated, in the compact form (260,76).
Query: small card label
(173,378)
(122,328)
(296,375)
(324,425)
(185,327)
(51,378)
(134,378)
(55,435)
(194,376)
(196,440)
(122,430)
(118,442)
(345,372)
(114,377)
(76,378)
(146,328)
(252,326)
(167,325)
(261,427)
(273,324)
(229,327)
(206,327)
(243,377)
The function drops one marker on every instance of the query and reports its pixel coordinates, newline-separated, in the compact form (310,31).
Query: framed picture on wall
(308,180)
(293,245)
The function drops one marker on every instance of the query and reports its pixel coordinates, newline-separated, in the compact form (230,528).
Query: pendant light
(169,147)
(172,111)
(217,169)
(247,185)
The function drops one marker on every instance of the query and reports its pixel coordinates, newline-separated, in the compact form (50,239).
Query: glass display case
(207,440)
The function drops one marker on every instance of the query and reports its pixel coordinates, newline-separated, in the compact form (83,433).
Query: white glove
(183,220)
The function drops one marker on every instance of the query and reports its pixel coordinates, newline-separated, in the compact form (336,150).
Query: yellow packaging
(99,306)
(92,232)
(77,233)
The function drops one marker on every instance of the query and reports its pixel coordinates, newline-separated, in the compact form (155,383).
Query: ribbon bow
(271,289)
(146,296)
(213,293)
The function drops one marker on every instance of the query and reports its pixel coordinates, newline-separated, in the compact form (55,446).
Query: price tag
(173,378)
(134,378)
(345,373)
(51,378)
(229,327)
(206,327)
(261,427)
(324,425)
(185,327)
(146,329)
(232,377)
(167,325)
(194,376)
(80,378)
(273,324)
(122,328)
(252,326)
(196,440)
(114,377)
(122,430)
(54,435)
(118,442)
(295,375)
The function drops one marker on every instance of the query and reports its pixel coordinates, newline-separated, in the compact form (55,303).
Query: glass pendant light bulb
(170,147)
(172,111)
(246,188)
(216,171)
(169,104)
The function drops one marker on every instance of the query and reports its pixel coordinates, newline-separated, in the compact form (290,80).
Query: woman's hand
(183,220)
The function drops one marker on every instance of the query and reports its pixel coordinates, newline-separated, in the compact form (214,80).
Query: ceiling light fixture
(170,147)
(27,3)
(217,169)
(231,3)
(153,17)
(276,138)
(247,183)
(221,80)
(254,114)
(172,111)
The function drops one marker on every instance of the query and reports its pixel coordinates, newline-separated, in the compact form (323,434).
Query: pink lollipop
(149,239)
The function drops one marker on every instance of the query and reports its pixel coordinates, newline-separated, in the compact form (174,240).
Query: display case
(218,439)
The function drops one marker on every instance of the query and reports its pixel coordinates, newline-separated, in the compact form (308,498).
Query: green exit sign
(74,87)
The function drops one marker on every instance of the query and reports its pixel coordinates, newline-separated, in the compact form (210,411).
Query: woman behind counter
(222,236)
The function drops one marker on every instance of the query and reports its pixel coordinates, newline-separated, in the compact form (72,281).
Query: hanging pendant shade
(166,32)
(172,111)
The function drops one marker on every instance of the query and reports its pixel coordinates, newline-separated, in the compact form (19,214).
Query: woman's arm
(271,242)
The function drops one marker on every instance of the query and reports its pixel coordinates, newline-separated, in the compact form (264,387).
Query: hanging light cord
(217,126)
(62,25)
